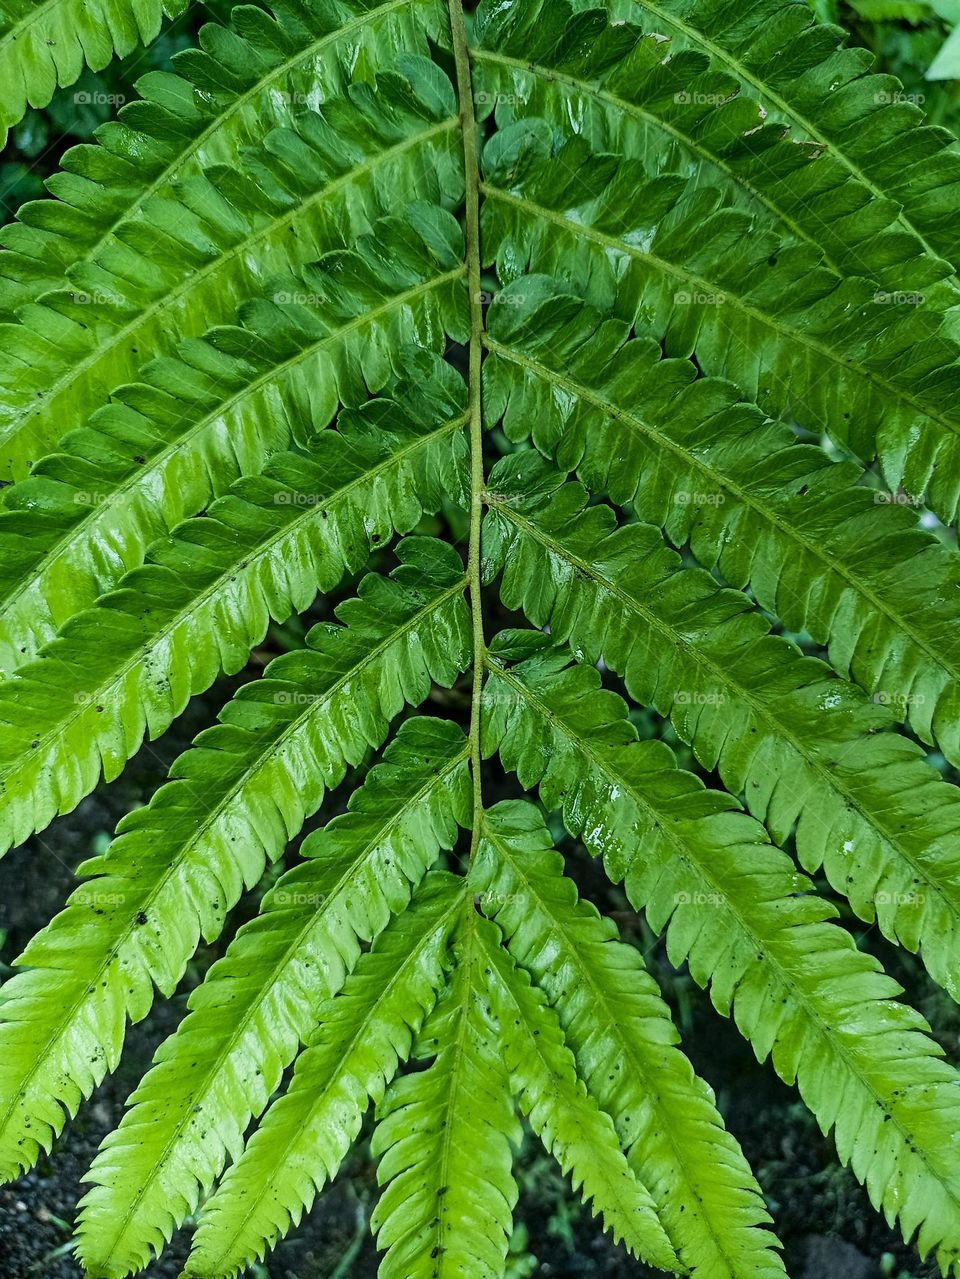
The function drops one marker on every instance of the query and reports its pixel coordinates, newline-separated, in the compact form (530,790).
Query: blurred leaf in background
(946,65)
(916,40)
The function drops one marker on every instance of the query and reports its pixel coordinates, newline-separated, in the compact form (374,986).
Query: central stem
(472,229)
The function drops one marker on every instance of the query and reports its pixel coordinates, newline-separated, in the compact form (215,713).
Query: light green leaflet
(520,335)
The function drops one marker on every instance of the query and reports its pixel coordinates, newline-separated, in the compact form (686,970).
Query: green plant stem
(345,1265)
(472,198)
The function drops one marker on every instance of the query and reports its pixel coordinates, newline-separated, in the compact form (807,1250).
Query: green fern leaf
(46,43)
(362,1035)
(190,260)
(872,369)
(798,71)
(618,1026)
(443,1141)
(749,703)
(245,80)
(207,593)
(746,924)
(843,562)
(635,93)
(561,1111)
(269,332)
(186,432)
(261,1000)
(180,864)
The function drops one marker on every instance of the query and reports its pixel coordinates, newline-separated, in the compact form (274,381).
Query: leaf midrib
(795,335)
(459,1065)
(830,778)
(629,108)
(816,550)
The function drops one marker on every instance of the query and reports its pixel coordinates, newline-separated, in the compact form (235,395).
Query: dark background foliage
(822,1215)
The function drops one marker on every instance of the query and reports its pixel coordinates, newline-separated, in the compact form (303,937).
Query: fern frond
(46,43)
(798,70)
(243,82)
(561,1111)
(826,1015)
(443,1140)
(621,1035)
(798,743)
(259,1002)
(872,369)
(614,1017)
(362,1035)
(181,863)
(285,310)
(194,258)
(129,665)
(680,111)
(848,564)
(737,912)
(191,426)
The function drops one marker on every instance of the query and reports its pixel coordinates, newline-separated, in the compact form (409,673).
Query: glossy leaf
(363,1035)
(800,744)
(637,321)
(130,664)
